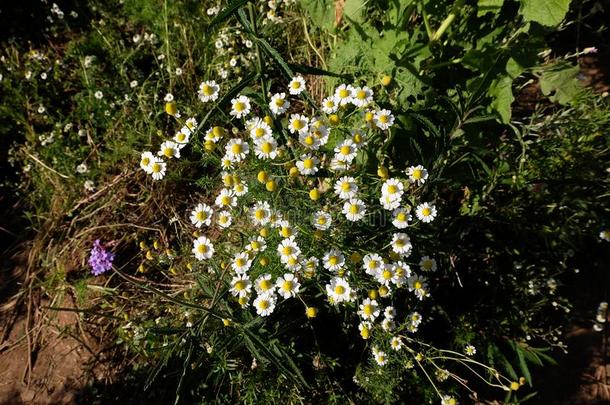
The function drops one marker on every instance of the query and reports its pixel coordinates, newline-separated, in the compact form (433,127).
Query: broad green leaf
(560,84)
(545,12)
(502,93)
(322,12)
(488,6)
(354,10)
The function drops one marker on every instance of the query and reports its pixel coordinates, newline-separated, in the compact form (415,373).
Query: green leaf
(502,93)
(560,84)
(322,12)
(545,12)
(488,6)
(226,13)
(354,10)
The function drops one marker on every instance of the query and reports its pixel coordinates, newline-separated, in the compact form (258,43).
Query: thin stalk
(448,21)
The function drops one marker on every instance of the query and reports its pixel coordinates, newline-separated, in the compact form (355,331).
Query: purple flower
(100,259)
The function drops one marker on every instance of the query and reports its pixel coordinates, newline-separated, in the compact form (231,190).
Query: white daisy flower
(288,250)
(385,274)
(319,129)
(309,140)
(415,318)
(208,91)
(419,286)
(169,149)
(401,217)
(388,324)
(260,129)
(354,209)
(278,104)
(330,105)
(264,285)
(380,357)
(310,266)
(298,123)
(389,312)
(372,263)
(285,229)
(343,94)
(365,329)
(224,219)
(308,164)
(146,161)
(241,263)
(383,119)
(427,264)
(362,96)
(236,149)
(402,271)
(191,123)
(240,188)
(261,213)
(226,198)
(396,343)
(338,290)
(359,138)
(401,244)
(288,285)
(470,350)
(256,244)
(417,175)
(296,85)
(333,260)
(182,138)
(346,187)
(202,215)
(214,134)
(203,248)
(158,168)
(266,148)
(322,220)
(240,106)
(264,304)
(339,166)
(392,188)
(369,310)
(449,400)
(241,286)
(346,151)
(425,212)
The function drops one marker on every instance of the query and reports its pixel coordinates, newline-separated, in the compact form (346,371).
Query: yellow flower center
(353,209)
(286,232)
(400,271)
(416,174)
(308,163)
(357,138)
(180,137)
(368,116)
(236,148)
(240,285)
(321,220)
(387,274)
(202,249)
(201,216)
(217,132)
(343,93)
(287,285)
(145,161)
(240,262)
(287,250)
(267,147)
(223,219)
(384,119)
(239,106)
(225,200)
(333,260)
(308,140)
(417,285)
(255,245)
(368,309)
(373,264)
(346,186)
(399,242)
(259,214)
(264,304)
(401,216)
(258,132)
(361,94)
(392,188)
(279,102)
(298,124)
(295,85)
(345,150)
(156,168)
(265,284)
(427,264)
(426,212)
(339,290)
(207,90)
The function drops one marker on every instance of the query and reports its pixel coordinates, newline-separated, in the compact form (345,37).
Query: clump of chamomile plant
(313,225)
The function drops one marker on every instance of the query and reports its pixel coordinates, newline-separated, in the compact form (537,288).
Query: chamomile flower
(266,148)
(202,215)
(427,264)
(354,209)
(226,198)
(389,202)
(298,123)
(401,217)
(338,290)
(418,286)
(296,85)
(288,285)
(388,324)
(383,119)
(362,96)
(333,260)
(402,271)
(343,94)
(396,343)
(260,129)
(182,138)
(241,263)
(224,219)
(308,164)
(449,400)
(264,304)
(261,213)
(256,244)
(389,312)
(146,161)
(470,350)
(415,318)
(236,149)
(369,310)
(417,175)
(264,285)
(241,286)
(605,235)
(425,212)
(157,168)
(385,275)
(319,130)
(203,248)
(401,244)
(372,263)
(322,220)
(288,250)
(309,140)
(240,188)
(359,138)
(330,105)
(310,266)
(346,187)
(214,134)
(339,166)
(392,188)
(208,91)
(240,106)
(169,149)
(380,357)
(190,124)
(278,104)
(365,329)
(346,151)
